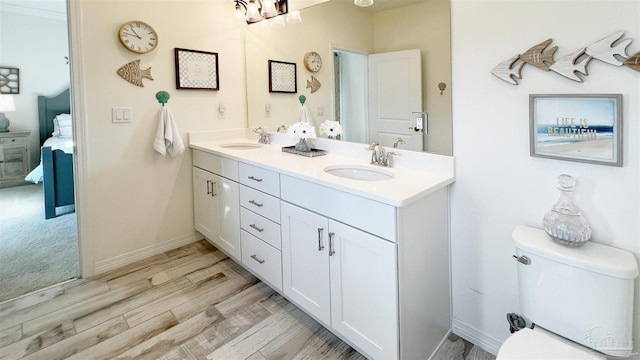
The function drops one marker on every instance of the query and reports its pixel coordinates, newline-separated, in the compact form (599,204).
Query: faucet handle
(259,129)
(389,158)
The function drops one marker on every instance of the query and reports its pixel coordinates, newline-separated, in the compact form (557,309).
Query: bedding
(61,138)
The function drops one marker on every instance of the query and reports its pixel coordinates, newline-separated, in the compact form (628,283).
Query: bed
(55,170)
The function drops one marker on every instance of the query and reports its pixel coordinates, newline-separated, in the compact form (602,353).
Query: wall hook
(302,99)
(442,86)
(163,97)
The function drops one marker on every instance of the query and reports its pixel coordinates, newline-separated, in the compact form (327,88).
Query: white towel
(305,115)
(168,137)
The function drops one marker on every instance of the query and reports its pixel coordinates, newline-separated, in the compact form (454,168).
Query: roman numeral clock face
(138,37)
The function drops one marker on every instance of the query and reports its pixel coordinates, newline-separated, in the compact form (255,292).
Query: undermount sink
(358,172)
(241,146)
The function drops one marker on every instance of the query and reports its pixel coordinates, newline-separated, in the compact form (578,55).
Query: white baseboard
(133,256)
(476,337)
(444,339)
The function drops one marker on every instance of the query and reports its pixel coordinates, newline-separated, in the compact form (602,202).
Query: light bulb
(363,3)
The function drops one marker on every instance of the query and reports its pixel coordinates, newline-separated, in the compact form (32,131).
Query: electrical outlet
(320,110)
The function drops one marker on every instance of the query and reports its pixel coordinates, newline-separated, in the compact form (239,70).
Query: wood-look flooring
(189,303)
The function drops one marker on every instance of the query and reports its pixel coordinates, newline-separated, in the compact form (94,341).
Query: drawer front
(369,215)
(258,178)
(260,227)
(263,259)
(13,140)
(260,203)
(216,164)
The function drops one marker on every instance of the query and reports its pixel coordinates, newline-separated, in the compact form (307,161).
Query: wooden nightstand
(14,157)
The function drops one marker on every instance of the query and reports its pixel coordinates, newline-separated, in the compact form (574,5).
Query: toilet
(580,300)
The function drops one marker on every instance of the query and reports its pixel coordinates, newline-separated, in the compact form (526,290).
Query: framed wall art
(9,80)
(585,128)
(282,77)
(196,70)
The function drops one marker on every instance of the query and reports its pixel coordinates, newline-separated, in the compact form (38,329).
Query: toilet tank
(584,294)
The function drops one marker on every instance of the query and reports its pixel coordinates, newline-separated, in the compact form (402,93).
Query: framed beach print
(196,70)
(584,128)
(282,77)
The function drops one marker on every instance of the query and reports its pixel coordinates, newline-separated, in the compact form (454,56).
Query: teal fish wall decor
(133,74)
(609,50)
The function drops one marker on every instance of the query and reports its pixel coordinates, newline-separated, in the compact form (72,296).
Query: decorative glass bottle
(564,222)
(303,145)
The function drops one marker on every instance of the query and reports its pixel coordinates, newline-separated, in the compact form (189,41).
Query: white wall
(498,184)
(135,198)
(36,43)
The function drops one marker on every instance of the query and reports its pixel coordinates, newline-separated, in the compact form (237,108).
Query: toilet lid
(542,344)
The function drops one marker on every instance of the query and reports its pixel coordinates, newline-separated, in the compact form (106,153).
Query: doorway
(35,252)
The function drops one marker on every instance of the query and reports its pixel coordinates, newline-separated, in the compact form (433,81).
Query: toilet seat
(541,344)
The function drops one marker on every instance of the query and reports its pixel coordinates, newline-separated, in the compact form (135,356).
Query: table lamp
(6,105)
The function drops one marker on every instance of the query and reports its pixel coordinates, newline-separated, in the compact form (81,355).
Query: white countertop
(426,173)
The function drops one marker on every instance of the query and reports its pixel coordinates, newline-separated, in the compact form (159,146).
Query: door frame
(78,109)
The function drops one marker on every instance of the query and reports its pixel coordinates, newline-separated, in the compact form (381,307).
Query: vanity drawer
(260,203)
(263,259)
(216,164)
(258,178)
(368,215)
(260,227)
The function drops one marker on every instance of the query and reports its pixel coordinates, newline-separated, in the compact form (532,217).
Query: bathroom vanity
(367,257)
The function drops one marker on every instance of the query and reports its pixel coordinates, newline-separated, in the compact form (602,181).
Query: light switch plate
(121,115)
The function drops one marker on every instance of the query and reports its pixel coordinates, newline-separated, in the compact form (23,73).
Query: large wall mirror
(345,35)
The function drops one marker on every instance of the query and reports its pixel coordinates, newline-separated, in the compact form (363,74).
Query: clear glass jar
(564,222)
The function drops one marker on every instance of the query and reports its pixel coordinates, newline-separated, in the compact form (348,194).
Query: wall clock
(312,61)
(138,36)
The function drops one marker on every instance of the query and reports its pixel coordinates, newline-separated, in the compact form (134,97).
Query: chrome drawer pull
(255,257)
(320,245)
(331,249)
(255,203)
(257,228)
(208,187)
(255,178)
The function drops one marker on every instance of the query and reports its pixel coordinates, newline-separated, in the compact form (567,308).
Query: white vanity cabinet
(216,201)
(370,261)
(344,277)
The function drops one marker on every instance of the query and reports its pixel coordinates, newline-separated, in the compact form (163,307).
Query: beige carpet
(34,252)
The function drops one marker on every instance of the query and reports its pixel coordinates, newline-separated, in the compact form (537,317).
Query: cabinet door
(364,305)
(305,260)
(217,210)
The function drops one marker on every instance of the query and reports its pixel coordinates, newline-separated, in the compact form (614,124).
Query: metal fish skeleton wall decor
(133,74)
(569,65)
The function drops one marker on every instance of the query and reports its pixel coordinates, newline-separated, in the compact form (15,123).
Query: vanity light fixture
(253,11)
(363,3)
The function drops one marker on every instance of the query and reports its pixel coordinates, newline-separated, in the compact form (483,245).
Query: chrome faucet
(379,156)
(265,137)
(282,128)
(398,141)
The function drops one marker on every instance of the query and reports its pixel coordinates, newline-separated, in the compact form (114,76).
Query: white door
(395,92)
(305,260)
(364,305)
